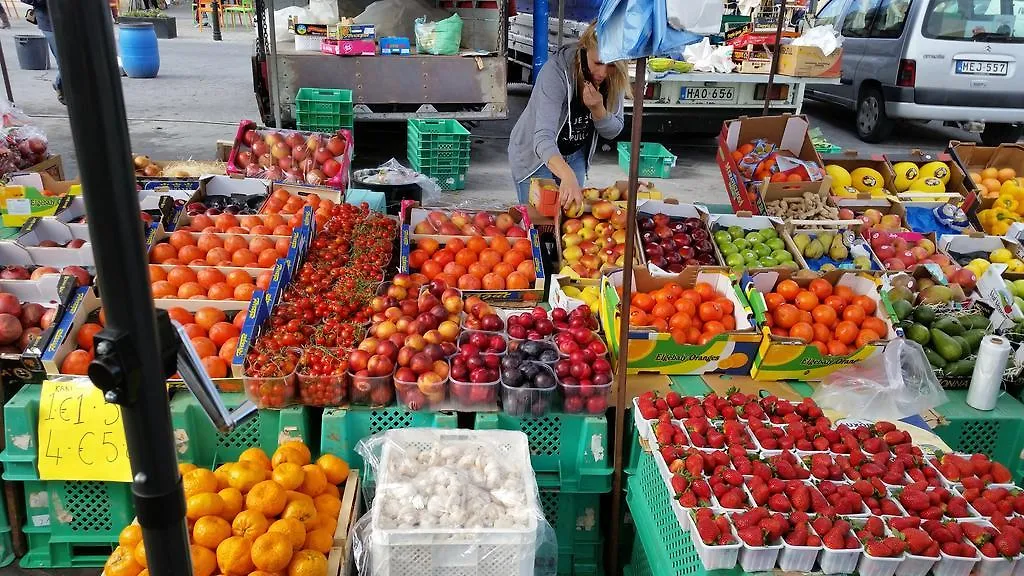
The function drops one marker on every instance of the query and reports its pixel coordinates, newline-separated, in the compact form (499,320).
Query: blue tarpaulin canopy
(631,29)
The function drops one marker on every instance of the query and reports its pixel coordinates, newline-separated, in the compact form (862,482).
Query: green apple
(782,255)
(728,248)
(735,232)
(754,237)
(722,237)
(1019,302)
(734,260)
(1018,288)
(769,262)
(775,243)
(769,233)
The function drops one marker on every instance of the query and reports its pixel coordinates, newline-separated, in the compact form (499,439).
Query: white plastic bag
(824,37)
(697,16)
(706,58)
(892,385)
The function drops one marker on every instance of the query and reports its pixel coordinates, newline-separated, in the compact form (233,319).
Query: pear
(862,263)
(837,250)
(814,249)
(801,240)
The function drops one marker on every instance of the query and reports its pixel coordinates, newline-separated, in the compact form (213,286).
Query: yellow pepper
(1001,228)
(1006,201)
(986,217)
(1018,195)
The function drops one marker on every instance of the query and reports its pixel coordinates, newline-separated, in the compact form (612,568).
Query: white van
(950,60)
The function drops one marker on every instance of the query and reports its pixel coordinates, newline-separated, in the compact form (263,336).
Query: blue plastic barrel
(140,54)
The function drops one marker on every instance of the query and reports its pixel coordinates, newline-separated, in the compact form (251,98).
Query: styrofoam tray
(840,561)
(798,558)
(915,565)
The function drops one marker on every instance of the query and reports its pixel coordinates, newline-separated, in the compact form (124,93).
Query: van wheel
(872,123)
(996,134)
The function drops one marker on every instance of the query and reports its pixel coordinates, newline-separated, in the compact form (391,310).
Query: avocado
(973,338)
(948,325)
(974,321)
(902,308)
(934,359)
(960,368)
(924,315)
(918,333)
(946,346)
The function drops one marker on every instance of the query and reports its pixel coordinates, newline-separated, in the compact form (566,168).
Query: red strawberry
(904,522)
(822,525)
(988,549)
(732,477)
(918,541)
(976,533)
(1007,546)
(673,399)
(957,508)
(875,526)
(679,484)
(864,488)
(798,537)
(889,508)
(751,535)
(835,539)
(913,500)
(877,548)
(774,526)
(779,503)
(801,499)
(1000,474)
(895,545)
(695,465)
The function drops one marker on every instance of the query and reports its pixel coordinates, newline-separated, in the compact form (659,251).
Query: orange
(249,524)
(140,554)
(204,561)
(271,552)
(788,289)
(867,304)
(221,473)
(824,314)
(836,303)
(233,557)
(130,536)
(854,314)
(185,468)
(476,244)
(875,324)
(328,524)
(209,531)
(308,563)
(332,490)
(846,332)
(820,288)
(773,301)
(821,332)
(517,281)
(327,505)
(204,504)
(314,481)
(267,497)
(335,469)
(319,540)
(706,291)
(866,337)
(245,475)
(821,346)
(803,331)
(122,563)
(289,475)
(837,348)
(500,243)
(786,316)
(255,455)
(806,300)
(198,481)
(292,528)
(844,292)
(304,456)
(302,510)
(710,311)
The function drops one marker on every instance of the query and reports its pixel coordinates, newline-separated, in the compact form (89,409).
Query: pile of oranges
(993,181)
(205,283)
(255,517)
(691,315)
(284,202)
(495,263)
(267,224)
(208,249)
(831,318)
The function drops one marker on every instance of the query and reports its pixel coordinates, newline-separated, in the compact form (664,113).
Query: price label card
(81,436)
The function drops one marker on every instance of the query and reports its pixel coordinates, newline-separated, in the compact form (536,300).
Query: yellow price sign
(81,436)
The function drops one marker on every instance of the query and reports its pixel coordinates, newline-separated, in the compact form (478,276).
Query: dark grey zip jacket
(535,136)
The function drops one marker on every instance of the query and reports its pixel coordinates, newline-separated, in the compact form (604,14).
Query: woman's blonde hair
(617,74)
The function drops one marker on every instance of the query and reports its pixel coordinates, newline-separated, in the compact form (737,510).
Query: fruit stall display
(291,156)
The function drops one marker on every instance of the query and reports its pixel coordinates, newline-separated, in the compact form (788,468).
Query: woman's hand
(593,100)
(569,192)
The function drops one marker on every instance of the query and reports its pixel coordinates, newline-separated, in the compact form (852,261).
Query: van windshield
(975,20)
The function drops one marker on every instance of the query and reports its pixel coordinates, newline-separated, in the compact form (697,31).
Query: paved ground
(205,88)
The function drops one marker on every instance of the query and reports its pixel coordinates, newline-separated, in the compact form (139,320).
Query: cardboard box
(809,62)
(750,223)
(855,229)
(52,291)
(598,227)
(959,188)
(53,166)
(83,305)
(281,269)
(413,215)
(972,158)
(850,160)
(558,298)
(159,207)
(957,246)
(240,189)
(37,230)
(781,358)
(789,133)
(675,212)
(543,196)
(507,298)
(25,197)
(755,63)
(303,190)
(651,351)
(341,31)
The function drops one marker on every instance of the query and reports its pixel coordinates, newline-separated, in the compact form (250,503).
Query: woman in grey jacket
(575,99)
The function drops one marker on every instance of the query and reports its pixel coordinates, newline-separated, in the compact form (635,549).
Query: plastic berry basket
(324,390)
(998,566)
(577,399)
(876,565)
(758,558)
(721,557)
(798,558)
(914,565)
(840,561)
(417,396)
(527,400)
(474,396)
(374,391)
(514,344)
(271,391)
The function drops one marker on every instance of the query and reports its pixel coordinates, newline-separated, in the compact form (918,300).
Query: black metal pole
(7,78)
(215,14)
(776,54)
(621,397)
(92,87)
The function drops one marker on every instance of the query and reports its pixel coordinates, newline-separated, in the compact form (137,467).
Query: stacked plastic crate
(439,149)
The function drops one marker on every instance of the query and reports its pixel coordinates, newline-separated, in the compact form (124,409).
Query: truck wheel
(872,123)
(996,134)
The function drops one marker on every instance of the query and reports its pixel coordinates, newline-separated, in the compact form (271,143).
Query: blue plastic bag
(631,29)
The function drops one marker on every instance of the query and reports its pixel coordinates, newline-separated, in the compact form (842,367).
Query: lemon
(980,264)
(1015,265)
(1000,256)
(571,291)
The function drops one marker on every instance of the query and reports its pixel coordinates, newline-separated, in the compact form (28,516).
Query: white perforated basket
(465,552)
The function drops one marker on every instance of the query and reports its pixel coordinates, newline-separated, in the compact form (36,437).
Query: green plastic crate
(199,443)
(997,433)
(574,517)
(584,560)
(323,109)
(665,545)
(655,160)
(44,551)
(343,428)
(21,418)
(429,143)
(569,452)
(6,547)
(638,564)
(456,158)
(447,178)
